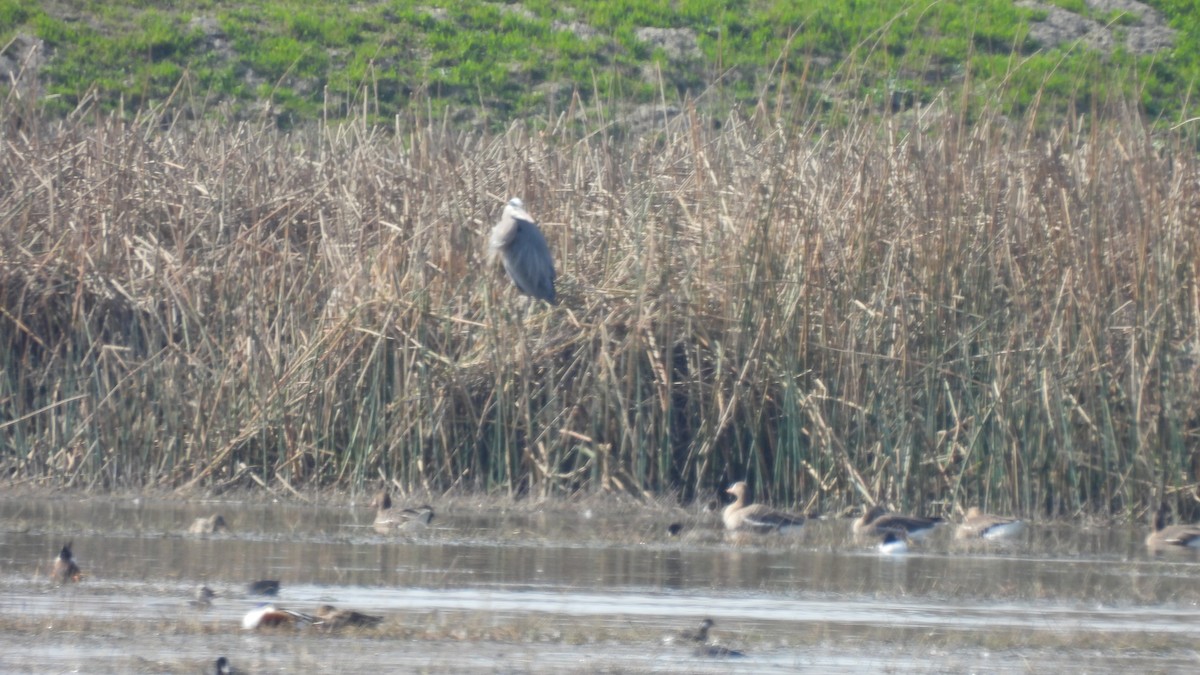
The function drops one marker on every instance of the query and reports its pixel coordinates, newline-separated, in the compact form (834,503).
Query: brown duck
(1166,537)
(388,518)
(64,568)
(332,618)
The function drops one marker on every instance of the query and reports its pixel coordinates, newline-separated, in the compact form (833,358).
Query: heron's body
(523,250)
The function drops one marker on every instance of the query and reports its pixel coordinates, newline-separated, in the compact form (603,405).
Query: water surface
(577,591)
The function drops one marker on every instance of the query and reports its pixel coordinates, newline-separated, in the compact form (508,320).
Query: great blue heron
(522,249)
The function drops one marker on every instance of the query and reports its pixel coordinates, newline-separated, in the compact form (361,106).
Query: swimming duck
(756,517)
(210,525)
(699,638)
(332,618)
(64,568)
(263,587)
(877,522)
(270,616)
(1165,537)
(388,518)
(223,667)
(980,525)
(203,599)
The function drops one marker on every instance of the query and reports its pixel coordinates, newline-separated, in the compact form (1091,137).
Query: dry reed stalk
(910,309)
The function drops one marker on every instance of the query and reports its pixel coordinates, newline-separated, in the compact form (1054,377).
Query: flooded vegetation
(575,589)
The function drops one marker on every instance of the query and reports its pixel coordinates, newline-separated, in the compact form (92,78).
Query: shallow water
(577,592)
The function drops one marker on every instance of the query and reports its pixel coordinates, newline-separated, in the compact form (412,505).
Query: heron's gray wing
(527,260)
(510,223)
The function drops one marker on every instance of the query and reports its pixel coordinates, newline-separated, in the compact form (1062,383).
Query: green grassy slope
(498,61)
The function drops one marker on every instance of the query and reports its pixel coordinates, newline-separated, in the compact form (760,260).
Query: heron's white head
(517,203)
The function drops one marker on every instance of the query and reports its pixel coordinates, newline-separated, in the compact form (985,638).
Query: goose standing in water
(741,516)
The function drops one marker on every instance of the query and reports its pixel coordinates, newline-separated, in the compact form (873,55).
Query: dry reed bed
(933,315)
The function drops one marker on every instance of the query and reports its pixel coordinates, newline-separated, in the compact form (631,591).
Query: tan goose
(980,525)
(877,522)
(388,518)
(740,516)
(1165,537)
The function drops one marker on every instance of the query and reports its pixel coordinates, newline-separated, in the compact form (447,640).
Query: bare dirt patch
(1111,23)
(677,43)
